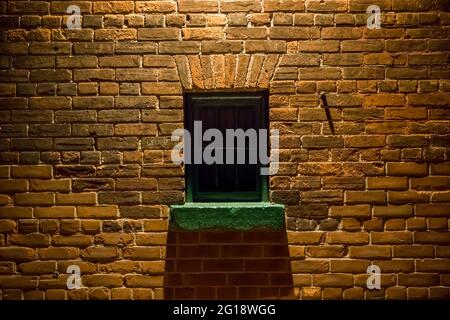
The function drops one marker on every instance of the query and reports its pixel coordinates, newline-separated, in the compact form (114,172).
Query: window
(230,179)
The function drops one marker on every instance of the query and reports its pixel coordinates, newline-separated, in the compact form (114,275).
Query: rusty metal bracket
(324,104)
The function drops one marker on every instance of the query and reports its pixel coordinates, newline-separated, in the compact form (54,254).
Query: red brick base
(228,265)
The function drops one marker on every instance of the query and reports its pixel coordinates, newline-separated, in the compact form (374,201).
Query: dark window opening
(227,182)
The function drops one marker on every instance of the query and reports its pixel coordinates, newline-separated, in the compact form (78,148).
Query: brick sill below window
(227,215)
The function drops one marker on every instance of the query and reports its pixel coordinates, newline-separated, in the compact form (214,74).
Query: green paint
(227,215)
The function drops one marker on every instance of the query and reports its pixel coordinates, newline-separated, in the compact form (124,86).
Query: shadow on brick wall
(228,265)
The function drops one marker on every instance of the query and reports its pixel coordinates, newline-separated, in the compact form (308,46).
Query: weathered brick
(310,266)
(55,212)
(76,62)
(99,212)
(341,237)
(14,185)
(179,47)
(348,266)
(375,197)
(136,102)
(40,62)
(100,253)
(364,141)
(350,211)
(286,33)
(143,281)
(10,212)
(80,241)
(41,198)
(433,209)
(327,196)
(167,197)
(73,144)
(93,47)
(117,143)
(119,61)
(7,226)
(92,102)
(165,88)
(76,198)
(142,253)
(432,237)
(308,211)
(37,267)
(31,144)
(30,240)
(418,279)
(93,75)
(155,6)
(150,239)
(393,211)
(304,237)
(322,142)
(330,251)
(17,254)
(118,115)
(102,280)
(266,46)
(19,282)
(413,251)
(114,239)
(400,197)
(50,185)
(333,280)
(391,237)
(115,34)
(370,252)
(407,169)
(61,253)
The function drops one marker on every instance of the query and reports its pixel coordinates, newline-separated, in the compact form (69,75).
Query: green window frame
(241,105)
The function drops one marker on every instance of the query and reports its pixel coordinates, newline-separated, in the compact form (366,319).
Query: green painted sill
(227,215)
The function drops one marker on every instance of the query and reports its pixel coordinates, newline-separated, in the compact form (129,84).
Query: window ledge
(227,215)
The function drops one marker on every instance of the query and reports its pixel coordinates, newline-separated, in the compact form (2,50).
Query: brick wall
(228,265)
(86,117)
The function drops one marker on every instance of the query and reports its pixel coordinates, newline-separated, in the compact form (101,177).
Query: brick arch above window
(227,71)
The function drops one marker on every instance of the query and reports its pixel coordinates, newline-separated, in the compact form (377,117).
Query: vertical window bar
(216,166)
(236,171)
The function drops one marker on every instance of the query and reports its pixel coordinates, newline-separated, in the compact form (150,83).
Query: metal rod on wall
(324,104)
